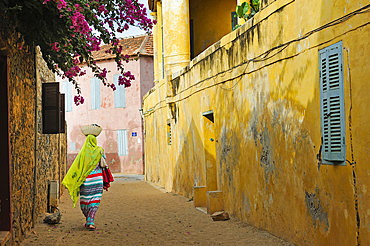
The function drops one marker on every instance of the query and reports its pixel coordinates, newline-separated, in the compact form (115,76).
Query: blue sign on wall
(134,134)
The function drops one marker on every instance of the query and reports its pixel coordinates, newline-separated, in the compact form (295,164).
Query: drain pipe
(35,152)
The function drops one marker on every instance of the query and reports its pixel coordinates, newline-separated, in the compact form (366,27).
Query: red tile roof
(132,46)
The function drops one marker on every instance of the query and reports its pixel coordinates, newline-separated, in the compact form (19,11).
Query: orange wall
(212,21)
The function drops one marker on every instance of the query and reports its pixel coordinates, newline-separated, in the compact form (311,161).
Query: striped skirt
(90,194)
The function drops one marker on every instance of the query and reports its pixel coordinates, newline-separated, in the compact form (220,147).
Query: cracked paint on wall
(315,209)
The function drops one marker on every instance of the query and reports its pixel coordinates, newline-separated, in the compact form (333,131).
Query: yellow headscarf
(85,162)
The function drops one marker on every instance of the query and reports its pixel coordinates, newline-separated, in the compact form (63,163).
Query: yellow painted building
(268,122)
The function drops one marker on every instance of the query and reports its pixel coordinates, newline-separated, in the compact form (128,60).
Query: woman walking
(85,177)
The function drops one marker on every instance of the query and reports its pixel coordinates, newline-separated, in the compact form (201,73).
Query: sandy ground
(134,212)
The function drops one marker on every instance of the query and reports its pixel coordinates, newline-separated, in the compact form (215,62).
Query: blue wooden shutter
(332,103)
(67,90)
(119,93)
(95,93)
(234,20)
(122,142)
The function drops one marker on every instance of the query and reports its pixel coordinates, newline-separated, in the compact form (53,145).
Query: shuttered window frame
(122,142)
(67,90)
(53,113)
(332,105)
(119,93)
(95,93)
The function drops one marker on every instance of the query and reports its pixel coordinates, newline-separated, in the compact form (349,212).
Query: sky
(133,31)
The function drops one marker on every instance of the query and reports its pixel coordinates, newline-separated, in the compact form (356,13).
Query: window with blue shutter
(332,105)
(234,20)
(67,90)
(95,93)
(119,93)
(122,142)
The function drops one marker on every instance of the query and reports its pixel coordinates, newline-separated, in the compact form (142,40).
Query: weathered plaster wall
(50,150)
(112,119)
(267,124)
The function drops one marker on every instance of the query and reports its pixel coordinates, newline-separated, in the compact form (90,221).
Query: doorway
(5,202)
(210,151)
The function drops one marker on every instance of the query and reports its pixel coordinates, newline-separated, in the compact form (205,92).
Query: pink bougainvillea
(79,28)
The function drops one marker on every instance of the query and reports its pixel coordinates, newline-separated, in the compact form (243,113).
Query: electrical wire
(266,55)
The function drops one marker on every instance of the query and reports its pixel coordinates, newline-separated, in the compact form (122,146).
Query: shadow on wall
(152,139)
(190,169)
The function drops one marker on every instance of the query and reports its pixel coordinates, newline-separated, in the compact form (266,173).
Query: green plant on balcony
(242,11)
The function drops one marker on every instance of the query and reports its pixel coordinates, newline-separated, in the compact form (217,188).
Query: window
(234,20)
(72,146)
(67,90)
(53,117)
(332,105)
(119,93)
(169,134)
(95,93)
(122,142)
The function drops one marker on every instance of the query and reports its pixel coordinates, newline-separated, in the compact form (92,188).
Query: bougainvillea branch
(69,31)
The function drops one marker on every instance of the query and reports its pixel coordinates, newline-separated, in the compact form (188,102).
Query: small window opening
(209,115)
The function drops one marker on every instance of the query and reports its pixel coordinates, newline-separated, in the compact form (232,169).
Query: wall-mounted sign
(134,134)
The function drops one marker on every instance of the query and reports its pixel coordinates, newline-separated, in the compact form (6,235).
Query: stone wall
(52,153)
(29,194)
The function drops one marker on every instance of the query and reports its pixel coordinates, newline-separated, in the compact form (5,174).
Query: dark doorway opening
(5,202)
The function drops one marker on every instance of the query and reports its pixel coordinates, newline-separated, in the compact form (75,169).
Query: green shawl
(85,162)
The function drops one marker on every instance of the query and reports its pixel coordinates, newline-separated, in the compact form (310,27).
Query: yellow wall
(267,124)
(212,20)
(159,40)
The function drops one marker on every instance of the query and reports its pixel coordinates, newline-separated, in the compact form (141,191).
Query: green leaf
(245,7)
(256,5)
(242,9)
(236,27)
(255,2)
(239,11)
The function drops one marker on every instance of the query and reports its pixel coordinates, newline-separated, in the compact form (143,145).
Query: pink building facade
(117,112)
